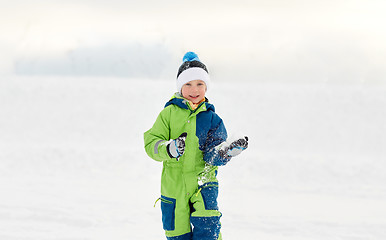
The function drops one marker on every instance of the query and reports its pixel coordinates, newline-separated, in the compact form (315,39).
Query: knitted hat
(191,69)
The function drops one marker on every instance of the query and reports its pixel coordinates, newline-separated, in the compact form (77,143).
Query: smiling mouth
(194,96)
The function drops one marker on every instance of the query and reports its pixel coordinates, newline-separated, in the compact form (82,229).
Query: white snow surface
(73,165)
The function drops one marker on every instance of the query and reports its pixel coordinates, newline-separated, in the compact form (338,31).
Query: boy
(190,139)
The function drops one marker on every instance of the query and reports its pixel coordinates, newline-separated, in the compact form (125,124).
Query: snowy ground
(72,164)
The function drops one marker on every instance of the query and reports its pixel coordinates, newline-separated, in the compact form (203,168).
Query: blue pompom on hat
(192,69)
(190,56)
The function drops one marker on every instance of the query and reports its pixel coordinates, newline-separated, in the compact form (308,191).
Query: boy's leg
(206,218)
(175,218)
(175,205)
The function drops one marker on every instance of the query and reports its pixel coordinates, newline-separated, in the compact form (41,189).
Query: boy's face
(194,90)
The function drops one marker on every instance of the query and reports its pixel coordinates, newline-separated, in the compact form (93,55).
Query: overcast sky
(332,41)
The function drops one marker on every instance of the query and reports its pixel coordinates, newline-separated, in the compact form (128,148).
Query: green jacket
(205,130)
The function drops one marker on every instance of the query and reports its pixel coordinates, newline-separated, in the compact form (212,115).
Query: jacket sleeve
(157,137)
(216,135)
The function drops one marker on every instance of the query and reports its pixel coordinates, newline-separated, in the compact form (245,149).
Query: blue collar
(182,103)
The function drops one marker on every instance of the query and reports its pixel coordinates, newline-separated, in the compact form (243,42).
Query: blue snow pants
(192,216)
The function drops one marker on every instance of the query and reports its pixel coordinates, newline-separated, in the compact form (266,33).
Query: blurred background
(334,41)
